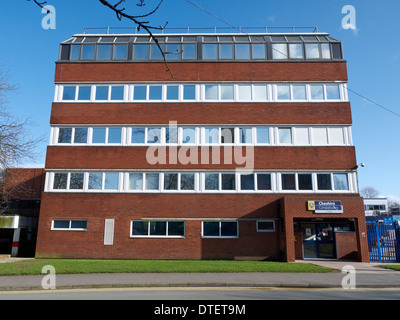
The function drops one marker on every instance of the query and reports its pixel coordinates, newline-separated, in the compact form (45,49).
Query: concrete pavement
(366,276)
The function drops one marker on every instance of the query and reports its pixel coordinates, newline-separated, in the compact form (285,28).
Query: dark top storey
(201,47)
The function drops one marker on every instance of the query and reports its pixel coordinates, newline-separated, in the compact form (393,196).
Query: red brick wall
(346,244)
(24,183)
(202,113)
(202,71)
(126,207)
(192,208)
(292,158)
(298,246)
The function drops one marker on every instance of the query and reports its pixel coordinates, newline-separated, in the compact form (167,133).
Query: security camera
(362,165)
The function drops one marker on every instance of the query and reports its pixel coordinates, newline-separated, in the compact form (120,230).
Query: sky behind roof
(28,54)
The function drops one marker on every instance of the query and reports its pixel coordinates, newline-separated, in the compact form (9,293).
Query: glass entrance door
(318,240)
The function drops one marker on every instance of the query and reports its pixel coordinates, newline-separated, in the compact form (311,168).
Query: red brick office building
(143,165)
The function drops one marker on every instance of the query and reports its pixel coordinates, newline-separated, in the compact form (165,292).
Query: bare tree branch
(16,142)
(120,13)
(141,24)
(41,5)
(369,192)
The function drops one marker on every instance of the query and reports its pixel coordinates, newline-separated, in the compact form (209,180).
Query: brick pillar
(290,252)
(362,239)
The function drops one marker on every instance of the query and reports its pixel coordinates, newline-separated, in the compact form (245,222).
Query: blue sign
(322,206)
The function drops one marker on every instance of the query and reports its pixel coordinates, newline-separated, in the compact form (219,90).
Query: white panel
(319,137)
(301,137)
(109,232)
(336,136)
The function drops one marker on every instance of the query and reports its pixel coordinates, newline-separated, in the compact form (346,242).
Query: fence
(383,241)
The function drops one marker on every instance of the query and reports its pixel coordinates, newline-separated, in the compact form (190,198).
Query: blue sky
(28,53)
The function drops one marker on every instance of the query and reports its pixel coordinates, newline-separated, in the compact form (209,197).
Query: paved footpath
(366,276)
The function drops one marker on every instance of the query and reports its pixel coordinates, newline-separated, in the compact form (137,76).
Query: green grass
(390,266)
(69,266)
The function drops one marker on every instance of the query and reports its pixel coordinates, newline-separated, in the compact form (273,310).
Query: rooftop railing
(215,30)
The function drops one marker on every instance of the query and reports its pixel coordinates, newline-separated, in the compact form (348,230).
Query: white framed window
(284,135)
(340,182)
(290,182)
(143,182)
(189,136)
(201,182)
(211,135)
(324,182)
(140,92)
(265,225)
(264,135)
(255,182)
(106,135)
(201,92)
(103,181)
(246,135)
(283,92)
(336,182)
(69,224)
(154,135)
(157,229)
(220,229)
(151,181)
(84,93)
(71,181)
(69,93)
(208,136)
(219,182)
(137,136)
(179,181)
(211,92)
(317,92)
(299,92)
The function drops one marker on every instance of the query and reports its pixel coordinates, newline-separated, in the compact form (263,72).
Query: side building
(20,196)
(376,207)
(245,153)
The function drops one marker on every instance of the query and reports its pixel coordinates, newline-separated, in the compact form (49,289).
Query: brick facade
(201,71)
(247,209)
(288,158)
(202,113)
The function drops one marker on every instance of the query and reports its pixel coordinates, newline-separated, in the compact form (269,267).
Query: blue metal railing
(383,241)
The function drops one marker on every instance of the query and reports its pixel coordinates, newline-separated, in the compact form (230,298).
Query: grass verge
(70,266)
(390,266)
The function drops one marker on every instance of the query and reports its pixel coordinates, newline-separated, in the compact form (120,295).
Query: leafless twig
(16,142)
(41,5)
(119,11)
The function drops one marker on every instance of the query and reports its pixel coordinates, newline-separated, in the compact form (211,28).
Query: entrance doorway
(318,240)
(6,239)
